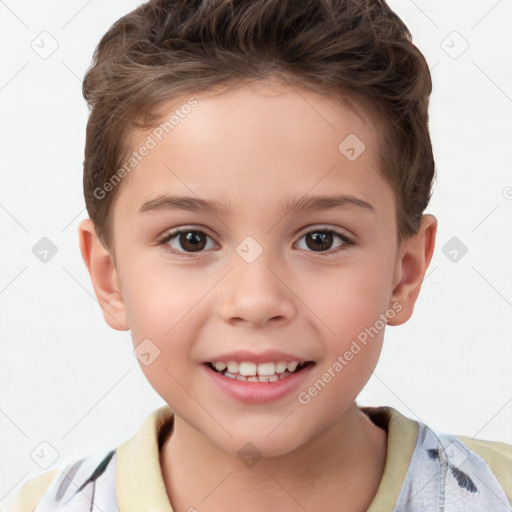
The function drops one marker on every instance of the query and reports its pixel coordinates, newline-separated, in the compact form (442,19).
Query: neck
(341,467)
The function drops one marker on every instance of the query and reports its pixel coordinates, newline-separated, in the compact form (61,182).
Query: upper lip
(259,357)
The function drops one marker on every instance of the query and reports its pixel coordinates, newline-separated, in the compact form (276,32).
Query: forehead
(260,140)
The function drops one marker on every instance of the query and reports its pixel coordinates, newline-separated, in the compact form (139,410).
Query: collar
(141,488)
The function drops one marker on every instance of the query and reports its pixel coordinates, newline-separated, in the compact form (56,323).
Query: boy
(256,174)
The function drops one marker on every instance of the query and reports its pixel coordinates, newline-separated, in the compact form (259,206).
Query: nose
(257,294)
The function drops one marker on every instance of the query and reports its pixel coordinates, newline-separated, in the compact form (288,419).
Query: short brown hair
(165,49)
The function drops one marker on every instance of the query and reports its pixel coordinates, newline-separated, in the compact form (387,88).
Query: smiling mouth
(262,372)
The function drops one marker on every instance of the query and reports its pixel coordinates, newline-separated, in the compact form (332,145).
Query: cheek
(348,299)
(160,307)
(160,299)
(352,308)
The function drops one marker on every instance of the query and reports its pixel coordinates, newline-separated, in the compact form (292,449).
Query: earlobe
(104,276)
(415,256)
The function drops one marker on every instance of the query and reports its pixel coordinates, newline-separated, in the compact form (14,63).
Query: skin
(253,147)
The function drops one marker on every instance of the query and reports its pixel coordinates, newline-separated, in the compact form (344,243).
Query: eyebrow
(305,203)
(314,203)
(191,204)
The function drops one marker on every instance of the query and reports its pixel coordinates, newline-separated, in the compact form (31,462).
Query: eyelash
(173,234)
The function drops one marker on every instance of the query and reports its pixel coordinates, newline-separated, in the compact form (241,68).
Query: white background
(67,379)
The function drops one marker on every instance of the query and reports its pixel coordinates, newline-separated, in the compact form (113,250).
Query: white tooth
(247,368)
(292,366)
(229,375)
(240,377)
(263,378)
(232,367)
(220,366)
(266,369)
(281,366)
(273,378)
(252,379)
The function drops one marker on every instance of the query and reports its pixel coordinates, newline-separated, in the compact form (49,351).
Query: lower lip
(257,392)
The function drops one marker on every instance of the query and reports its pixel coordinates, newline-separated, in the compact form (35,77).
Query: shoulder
(426,469)
(32,492)
(86,482)
(497,455)
(458,473)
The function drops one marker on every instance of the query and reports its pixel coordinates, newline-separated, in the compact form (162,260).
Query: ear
(414,259)
(105,281)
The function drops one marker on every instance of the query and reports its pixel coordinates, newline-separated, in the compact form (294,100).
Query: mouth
(266,372)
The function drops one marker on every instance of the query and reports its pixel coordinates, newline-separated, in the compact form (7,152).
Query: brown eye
(185,241)
(192,241)
(319,240)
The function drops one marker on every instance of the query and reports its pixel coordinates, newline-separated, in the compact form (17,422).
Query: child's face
(256,283)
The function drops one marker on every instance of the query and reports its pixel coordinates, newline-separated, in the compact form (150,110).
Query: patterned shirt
(442,473)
